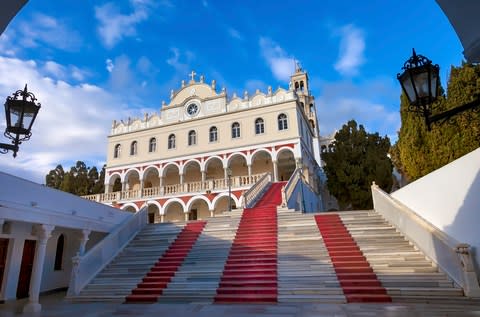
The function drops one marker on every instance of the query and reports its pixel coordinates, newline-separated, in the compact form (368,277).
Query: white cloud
(54,69)
(109,65)
(72,124)
(369,103)
(121,76)
(352,47)
(114,26)
(64,72)
(281,64)
(44,29)
(234,33)
(6,46)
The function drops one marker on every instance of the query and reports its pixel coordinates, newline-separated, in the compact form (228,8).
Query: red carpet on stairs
(250,273)
(164,269)
(358,281)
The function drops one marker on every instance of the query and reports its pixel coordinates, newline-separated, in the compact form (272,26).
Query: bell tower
(299,84)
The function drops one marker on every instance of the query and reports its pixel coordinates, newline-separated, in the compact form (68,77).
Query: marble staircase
(125,271)
(305,271)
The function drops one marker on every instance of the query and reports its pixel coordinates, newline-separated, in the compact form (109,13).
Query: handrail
(453,257)
(251,196)
(86,267)
(289,188)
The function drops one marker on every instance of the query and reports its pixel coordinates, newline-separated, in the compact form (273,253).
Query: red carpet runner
(250,273)
(164,269)
(359,282)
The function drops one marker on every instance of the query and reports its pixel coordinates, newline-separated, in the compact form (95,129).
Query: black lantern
(420,82)
(20,112)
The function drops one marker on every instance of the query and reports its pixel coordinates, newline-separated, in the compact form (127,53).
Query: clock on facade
(192,109)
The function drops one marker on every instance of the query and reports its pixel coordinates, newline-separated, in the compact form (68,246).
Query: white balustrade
(86,267)
(251,195)
(241,181)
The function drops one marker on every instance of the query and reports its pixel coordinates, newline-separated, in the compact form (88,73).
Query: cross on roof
(192,75)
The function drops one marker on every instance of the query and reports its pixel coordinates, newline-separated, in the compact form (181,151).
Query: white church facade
(205,149)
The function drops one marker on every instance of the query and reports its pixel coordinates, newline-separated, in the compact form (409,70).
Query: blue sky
(90,62)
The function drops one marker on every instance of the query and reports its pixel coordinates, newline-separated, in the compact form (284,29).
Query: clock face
(192,109)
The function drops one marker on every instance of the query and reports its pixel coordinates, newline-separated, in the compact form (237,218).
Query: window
(213,135)
(259,126)
(116,152)
(59,253)
(235,130)
(192,137)
(282,122)
(171,141)
(133,148)
(152,145)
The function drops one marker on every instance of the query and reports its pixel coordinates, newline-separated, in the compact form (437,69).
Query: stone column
(162,218)
(162,190)
(124,186)
(249,167)
(43,233)
(84,236)
(141,188)
(275,171)
(186,216)
(212,213)
(204,176)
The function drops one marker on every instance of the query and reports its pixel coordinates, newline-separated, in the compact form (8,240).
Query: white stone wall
(449,199)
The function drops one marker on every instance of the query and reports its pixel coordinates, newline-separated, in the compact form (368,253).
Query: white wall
(449,199)
(52,279)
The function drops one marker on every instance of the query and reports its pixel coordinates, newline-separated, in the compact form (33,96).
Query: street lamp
(20,113)
(229,174)
(420,82)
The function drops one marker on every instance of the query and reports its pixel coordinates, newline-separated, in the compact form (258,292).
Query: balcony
(188,188)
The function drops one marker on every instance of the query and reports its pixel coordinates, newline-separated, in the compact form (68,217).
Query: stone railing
(175,189)
(87,266)
(452,257)
(288,189)
(251,196)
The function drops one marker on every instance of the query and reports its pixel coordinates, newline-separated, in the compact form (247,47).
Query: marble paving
(54,305)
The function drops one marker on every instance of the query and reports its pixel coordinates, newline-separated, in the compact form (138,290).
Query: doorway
(3,257)
(26,269)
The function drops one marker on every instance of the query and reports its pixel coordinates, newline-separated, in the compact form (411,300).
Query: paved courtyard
(54,306)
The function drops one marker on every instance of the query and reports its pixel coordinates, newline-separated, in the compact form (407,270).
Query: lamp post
(420,82)
(229,175)
(20,112)
(300,166)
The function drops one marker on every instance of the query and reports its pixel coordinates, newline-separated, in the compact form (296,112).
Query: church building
(197,157)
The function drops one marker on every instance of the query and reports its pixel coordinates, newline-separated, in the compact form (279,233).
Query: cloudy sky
(90,62)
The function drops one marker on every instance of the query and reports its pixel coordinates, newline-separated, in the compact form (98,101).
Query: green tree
(79,180)
(99,186)
(358,158)
(55,177)
(419,151)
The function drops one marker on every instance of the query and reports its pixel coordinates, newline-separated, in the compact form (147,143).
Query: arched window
(282,122)
(259,126)
(213,135)
(235,130)
(171,141)
(192,137)
(133,148)
(152,145)
(59,253)
(116,152)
